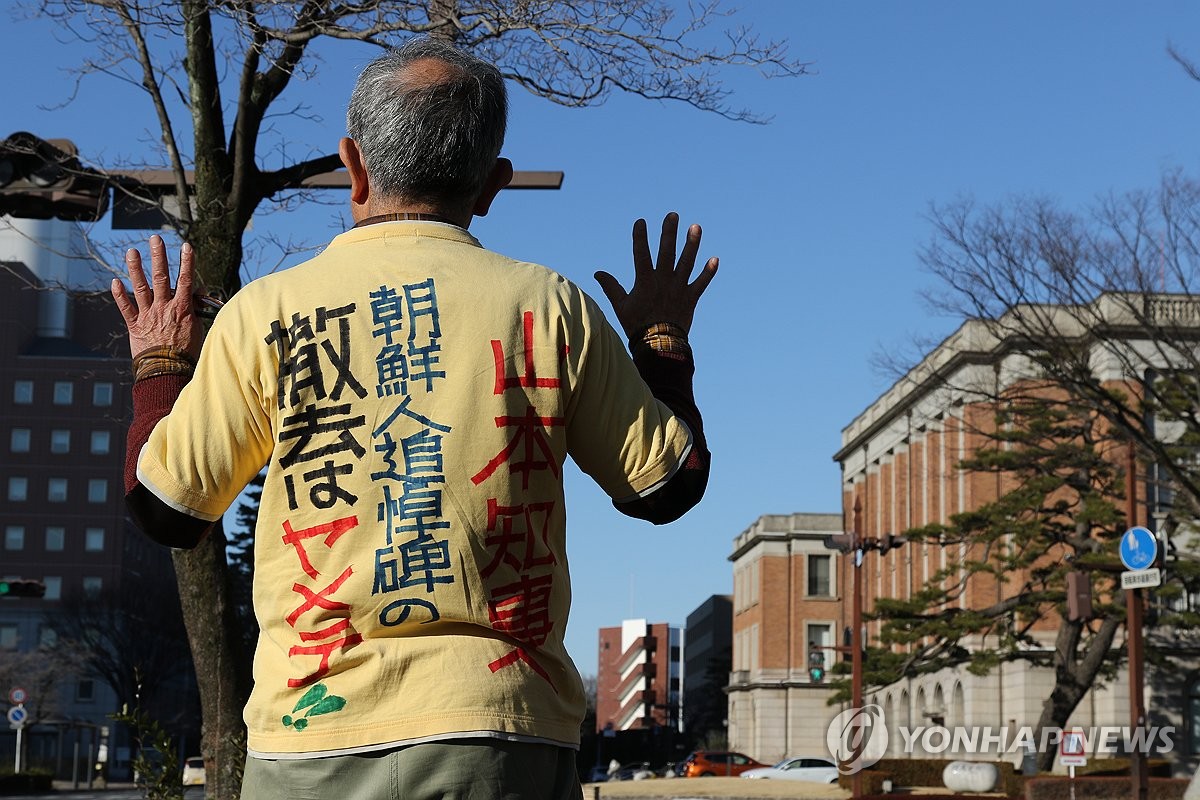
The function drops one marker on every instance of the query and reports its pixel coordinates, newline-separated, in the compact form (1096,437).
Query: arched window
(958,711)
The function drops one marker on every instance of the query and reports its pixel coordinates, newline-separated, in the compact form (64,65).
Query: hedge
(909,772)
(32,782)
(872,781)
(1107,788)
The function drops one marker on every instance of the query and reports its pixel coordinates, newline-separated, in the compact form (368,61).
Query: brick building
(787,609)
(899,462)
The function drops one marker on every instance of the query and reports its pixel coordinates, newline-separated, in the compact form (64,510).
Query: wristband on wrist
(157,361)
(662,337)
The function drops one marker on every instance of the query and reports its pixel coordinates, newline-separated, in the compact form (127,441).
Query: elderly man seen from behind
(413,397)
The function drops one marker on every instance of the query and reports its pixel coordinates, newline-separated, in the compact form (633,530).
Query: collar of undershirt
(406,216)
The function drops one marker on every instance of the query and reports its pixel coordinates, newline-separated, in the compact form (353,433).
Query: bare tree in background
(239,57)
(1075,288)
(42,673)
(129,639)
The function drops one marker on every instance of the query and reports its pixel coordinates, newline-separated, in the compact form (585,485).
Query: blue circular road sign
(1139,548)
(17,715)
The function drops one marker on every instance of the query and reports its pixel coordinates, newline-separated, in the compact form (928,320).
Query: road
(121,793)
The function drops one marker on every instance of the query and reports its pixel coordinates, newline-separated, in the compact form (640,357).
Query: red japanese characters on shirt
(324,641)
(519,595)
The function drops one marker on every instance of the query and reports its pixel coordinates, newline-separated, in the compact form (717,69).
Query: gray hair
(429,141)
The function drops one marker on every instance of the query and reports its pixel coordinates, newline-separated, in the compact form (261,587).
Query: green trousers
(461,769)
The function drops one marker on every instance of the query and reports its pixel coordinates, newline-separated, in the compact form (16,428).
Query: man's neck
(372,212)
(407,216)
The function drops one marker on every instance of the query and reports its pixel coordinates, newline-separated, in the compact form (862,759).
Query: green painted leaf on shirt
(312,697)
(318,701)
(328,706)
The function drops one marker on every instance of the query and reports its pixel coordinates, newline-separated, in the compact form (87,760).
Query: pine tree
(1060,510)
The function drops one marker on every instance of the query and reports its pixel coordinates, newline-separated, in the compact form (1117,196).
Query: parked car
(799,768)
(193,771)
(597,774)
(707,763)
(633,771)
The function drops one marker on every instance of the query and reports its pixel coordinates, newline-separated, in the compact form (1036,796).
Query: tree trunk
(1073,676)
(222,665)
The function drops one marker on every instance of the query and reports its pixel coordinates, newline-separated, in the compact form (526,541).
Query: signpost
(17,717)
(16,720)
(1072,753)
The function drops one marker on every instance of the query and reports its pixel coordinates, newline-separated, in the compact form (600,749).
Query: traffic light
(40,179)
(22,588)
(842,542)
(816,666)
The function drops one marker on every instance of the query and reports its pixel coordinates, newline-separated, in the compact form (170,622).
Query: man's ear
(352,157)
(500,176)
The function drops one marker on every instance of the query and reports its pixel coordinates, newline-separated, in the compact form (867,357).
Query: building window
(47,636)
(14,537)
(56,490)
(818,576)
(102,394)
(19,443)
(8,637)
(55,539)
(820,644)
(97,490)
(64,393)
(60,441)
(23,392)
(94,540)
(100,443)
(18,488)
(53,587)
(92,586)
(85,691)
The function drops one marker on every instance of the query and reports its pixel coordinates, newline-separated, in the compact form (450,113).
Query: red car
(707,763)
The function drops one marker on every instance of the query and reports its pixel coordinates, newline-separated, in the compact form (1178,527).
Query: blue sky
(817,218)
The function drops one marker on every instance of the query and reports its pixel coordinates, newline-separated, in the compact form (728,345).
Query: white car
(800,768)
(193,771)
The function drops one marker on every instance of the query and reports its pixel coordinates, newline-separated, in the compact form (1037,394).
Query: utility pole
(1135,638)
(856,661)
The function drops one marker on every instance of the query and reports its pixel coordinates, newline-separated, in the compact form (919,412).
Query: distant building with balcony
(639,677)
(787,614)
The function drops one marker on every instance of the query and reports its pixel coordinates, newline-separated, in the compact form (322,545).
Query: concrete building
(64,408)
(787,614)
(639,677)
